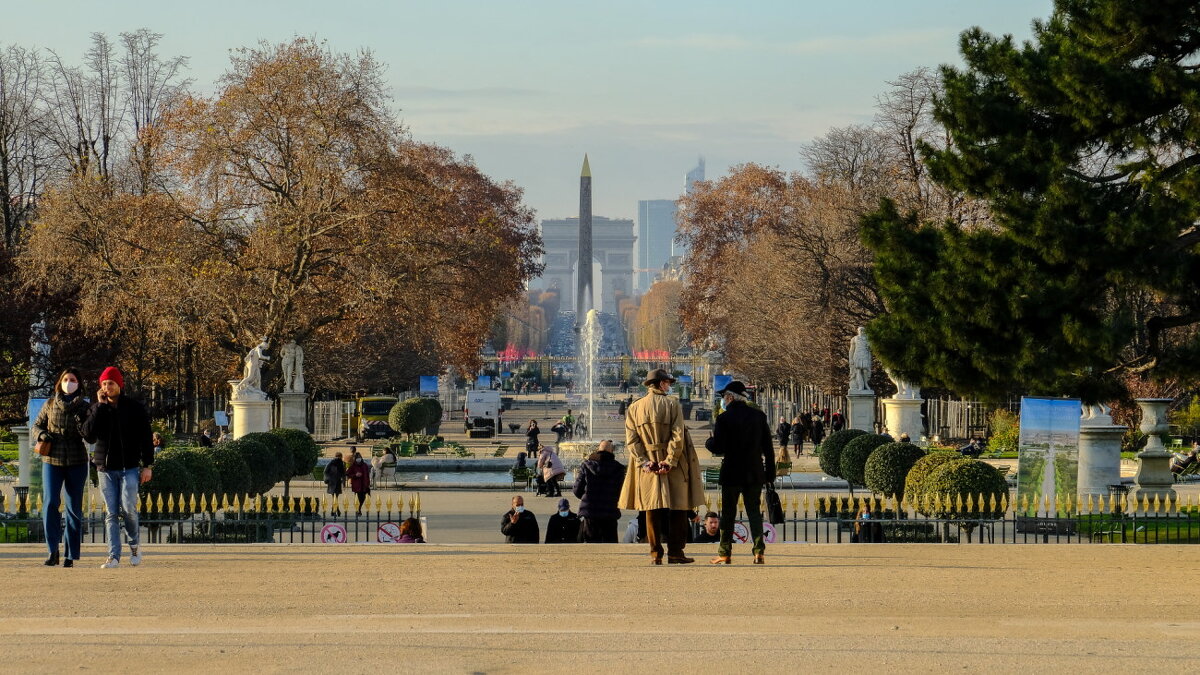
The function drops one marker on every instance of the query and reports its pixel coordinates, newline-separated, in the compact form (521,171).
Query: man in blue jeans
(120,428)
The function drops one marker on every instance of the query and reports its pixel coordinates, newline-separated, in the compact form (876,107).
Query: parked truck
(370,417)
(481,414)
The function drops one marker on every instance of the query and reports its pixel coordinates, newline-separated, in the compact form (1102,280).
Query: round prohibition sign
(388,533)
(333,533)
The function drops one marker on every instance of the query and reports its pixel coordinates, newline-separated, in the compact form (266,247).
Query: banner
(483,382)
(720,382)
(1048,453)
(429,384)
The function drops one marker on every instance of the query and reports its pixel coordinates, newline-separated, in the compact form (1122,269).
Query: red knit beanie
(111,373)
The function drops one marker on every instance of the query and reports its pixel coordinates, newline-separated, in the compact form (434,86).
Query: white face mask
(69,386)
(519,509)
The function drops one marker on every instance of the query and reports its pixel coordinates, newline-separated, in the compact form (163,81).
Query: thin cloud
(821,45)
(411,92)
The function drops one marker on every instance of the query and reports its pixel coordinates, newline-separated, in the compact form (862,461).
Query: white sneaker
(110,563)
(135,555)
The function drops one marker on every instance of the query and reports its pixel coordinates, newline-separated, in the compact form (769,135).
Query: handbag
(775,514)
(42,448)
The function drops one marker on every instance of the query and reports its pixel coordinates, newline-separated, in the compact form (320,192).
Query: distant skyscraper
(689,182)
(656,230)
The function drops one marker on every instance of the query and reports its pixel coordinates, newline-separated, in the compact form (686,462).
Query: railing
(263,519)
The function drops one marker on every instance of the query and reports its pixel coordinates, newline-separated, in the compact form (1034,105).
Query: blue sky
(527,87)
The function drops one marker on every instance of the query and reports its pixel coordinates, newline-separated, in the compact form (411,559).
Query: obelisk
(583,294)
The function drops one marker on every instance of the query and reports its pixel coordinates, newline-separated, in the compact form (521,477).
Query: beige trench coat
(654,432)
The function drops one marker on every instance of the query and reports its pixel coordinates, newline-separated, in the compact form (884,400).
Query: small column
(1099,455)
(861,412)
(24,467)
(1154,477)
(250,417)
(293,410)
(903,416)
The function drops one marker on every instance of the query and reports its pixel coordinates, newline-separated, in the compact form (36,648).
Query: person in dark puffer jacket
(120,428)
(598,486)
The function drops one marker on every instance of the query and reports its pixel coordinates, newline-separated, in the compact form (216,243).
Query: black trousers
(751,494)
(598,530)
(676,531)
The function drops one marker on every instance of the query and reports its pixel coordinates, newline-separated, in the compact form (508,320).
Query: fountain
(590,336)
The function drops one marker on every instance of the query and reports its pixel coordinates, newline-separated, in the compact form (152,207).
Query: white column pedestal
(1099,459)
(293,410)
(250,417)
(861,413)
(1154,478)
(903,416)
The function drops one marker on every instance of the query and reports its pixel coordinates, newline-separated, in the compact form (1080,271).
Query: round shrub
(232,467)
(433,412)
(170,478)
(305,450)
(970,477)
(282,460)
(853,458)
(913,484)
(261,461)
(830,452)
(408,417)
(888,466)
(199,464)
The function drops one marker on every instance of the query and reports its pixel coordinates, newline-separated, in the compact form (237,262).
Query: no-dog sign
(333,533)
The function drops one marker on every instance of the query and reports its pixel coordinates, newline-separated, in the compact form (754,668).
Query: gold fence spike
(159,502)
(192,502)
(418,504)
(39,503)
(971,503)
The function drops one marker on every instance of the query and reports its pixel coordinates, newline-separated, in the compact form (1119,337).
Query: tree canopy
(1083,145)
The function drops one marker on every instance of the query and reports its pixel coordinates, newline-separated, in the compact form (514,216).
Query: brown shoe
(720,560)
(758,559)
(679,560)
(655,561)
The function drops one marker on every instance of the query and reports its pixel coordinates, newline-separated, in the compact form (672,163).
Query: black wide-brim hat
(734,387)
(658,375)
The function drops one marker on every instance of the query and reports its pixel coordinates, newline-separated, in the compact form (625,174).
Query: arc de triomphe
(612,248)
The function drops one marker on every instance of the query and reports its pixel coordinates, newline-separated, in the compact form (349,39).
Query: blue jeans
(54,479)
(120,490)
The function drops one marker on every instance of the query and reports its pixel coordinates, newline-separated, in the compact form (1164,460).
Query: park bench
(1189,474)
(500,451)
(784,470)
(712,475)
(521,477)
(386,475)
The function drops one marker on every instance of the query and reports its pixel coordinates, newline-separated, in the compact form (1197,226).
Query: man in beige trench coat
(664,473)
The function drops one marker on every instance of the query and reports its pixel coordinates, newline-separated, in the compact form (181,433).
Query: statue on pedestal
(904,390)
(292,362)
(40,379)
(250,386)
(860,362)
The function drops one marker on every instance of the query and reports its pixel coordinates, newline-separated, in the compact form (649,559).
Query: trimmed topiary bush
(853,458)
(280,452)
(922,468)
(830,451)
(888,467)
(206,479)
(433,415)
(261,461)
(409,416)
(305,450)
(965,478)
(170,478)
(232,467)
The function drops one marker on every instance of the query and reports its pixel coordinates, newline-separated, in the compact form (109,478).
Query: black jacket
(598,485)
(121,433)
(562,530)
(742,439)
(783,432)
(524,531)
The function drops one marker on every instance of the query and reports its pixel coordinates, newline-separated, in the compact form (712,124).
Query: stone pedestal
(1154,477)
(1099,458)
(250,416)
(903,416)
(293,410)
(24,467)
(861,411)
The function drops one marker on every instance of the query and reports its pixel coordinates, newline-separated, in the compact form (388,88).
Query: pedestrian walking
(663,478)
(797,434)
(124,454)
(335,475)
(359,474)
(531,437)
(598,487)
(742,439)
(783,432)
(57,430)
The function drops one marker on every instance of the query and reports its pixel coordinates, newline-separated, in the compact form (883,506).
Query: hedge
(199,464)
(305,450)
(830,451)
(888,467)
(282,462)
(922,468)
(232,467)
(853,458)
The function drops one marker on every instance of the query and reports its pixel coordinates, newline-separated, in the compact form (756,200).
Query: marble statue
(40,379)
(292,362)
(250,386)
(904,390)
(860,361)
(1097,414)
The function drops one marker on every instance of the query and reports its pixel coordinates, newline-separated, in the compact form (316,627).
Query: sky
(527,87)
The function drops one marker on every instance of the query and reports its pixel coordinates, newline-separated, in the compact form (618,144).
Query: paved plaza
(503,608)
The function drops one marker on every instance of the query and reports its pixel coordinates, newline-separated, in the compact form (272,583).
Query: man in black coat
(518,525)
(742,438)
(563,527)
(598,486)
(783,432)
(124,453)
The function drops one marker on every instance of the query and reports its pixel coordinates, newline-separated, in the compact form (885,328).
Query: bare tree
(150,84)
(25,162)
